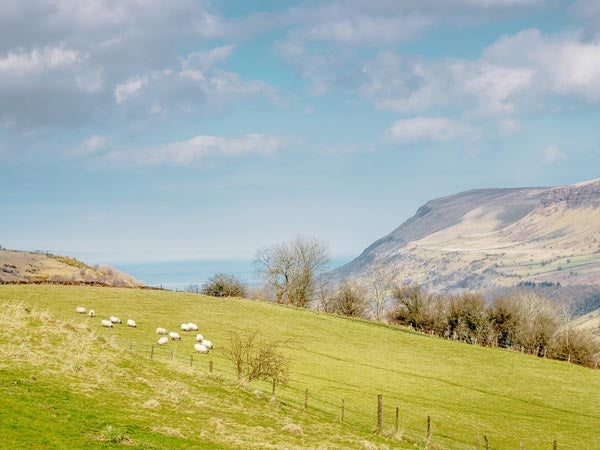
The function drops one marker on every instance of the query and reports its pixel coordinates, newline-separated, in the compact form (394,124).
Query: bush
(223,285)
(578,346)
(350,300)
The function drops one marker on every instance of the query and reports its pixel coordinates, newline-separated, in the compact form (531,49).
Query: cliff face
(493,237)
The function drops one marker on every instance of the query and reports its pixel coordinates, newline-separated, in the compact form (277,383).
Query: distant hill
(37,267)
(490,238)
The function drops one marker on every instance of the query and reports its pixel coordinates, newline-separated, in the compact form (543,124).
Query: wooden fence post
(487,444)
(379,412)
(396,424)
(210,366)
(477,441)
(342,415)
(152,352)
(171,355)
(192,360)
(306,398)
(428,429)
(521,445)
(555,445)
(273,388)
(569,360)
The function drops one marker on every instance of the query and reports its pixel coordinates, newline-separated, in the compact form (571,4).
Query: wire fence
(387,415)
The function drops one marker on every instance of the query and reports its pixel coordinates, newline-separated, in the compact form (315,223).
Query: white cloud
(38,60)
(89,146)
(432,129)
(200,149)
(552,154)
(204,60)
(128,89)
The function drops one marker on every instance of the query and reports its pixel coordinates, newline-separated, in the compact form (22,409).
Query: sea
(179,275)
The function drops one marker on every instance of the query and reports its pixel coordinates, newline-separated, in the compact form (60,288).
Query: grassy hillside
(35,267)
(509,397)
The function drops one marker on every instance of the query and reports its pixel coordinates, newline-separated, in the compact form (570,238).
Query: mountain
(490,238)
(36,267)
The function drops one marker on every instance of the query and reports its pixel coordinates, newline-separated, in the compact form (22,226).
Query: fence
(384,419)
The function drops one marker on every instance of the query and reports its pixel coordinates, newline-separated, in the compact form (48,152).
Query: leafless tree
(291,269)
(254,357)
(381,284)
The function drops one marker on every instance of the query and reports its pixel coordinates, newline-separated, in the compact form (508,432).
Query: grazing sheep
(92,313)
(200,348)
(207,343)
(131,323)
(193,326)
(161,330)
(80,310)
(107,323)
(199,338)
(115,319)
(163,340)
(185,327)
(174,336)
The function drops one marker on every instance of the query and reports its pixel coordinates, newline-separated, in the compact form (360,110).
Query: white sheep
(174,336)
(185,327)
(199,338)
(193,326)
(162,340)
(92,313)
(207,343)
(131,323)
(115,319)
(161,330)
(107,323)
(200,348)
(80,310)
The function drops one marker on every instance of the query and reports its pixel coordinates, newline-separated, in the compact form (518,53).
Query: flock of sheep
(201,346)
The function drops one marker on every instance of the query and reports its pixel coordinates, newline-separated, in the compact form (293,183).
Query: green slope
(509,397)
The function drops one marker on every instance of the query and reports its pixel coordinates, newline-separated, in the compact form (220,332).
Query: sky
(150,130)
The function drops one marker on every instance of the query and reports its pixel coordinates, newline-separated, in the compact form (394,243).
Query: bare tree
(256,358)
(381,283)
(291,269)
(223,285)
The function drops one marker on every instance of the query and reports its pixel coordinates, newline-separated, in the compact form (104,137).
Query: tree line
(294,273)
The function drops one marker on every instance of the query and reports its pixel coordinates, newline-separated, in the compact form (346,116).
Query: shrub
(223,285)
(350,300)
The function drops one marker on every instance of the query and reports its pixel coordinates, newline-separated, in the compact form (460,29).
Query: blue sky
(186,129)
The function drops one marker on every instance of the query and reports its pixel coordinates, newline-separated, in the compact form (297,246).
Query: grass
(509,397)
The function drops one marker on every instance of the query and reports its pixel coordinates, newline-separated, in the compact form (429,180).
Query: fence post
(487,444)
(306,398)
(396,421)
(171,355)
(521,445)
(428,429)
(342,415)
(379,412)
(477,441)
(210,366)
(273,389)
(152,351)
(191,360)
(569,360)
(555,445)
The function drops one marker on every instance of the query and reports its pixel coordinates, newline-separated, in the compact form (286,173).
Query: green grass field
(509,397)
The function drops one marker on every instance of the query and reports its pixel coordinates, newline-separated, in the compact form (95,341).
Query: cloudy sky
(135,130)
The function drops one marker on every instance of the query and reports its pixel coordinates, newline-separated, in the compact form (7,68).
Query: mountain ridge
(488,238)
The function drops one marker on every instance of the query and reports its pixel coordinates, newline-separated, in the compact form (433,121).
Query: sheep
(80,310)
(162,340)
(92,313)
(131,323)
(200,348)
(185,327)
(174,336)
(207,343)
(161,330)
(107,323)
(115,319)
(193,326)
(199,338)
